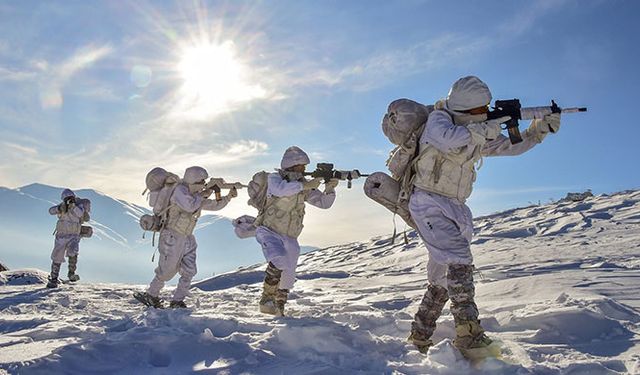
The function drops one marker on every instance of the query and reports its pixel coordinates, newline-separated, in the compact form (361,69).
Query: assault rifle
(217,184)
(513,109)
(326,171)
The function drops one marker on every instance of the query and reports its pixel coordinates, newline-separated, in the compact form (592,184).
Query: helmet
(467,93)
(195,174)
(294,156)
(66,193)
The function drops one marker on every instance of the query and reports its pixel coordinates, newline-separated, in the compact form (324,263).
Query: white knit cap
(467,93)
(195,174)
(67,193)
(294,156)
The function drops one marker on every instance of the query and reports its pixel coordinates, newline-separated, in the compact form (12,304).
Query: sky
(94,94)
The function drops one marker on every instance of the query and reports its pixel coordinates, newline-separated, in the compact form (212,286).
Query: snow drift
(556,284)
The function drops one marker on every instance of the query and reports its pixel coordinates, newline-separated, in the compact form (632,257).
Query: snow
(557,287)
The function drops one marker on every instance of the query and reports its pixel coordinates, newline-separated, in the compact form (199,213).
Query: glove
(540,128)
(489,130)
(62,208)
(330,186)
(233,192)
(553,122)
(311,184)
(206,193)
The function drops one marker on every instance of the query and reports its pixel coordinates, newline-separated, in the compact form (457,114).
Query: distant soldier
(72,212)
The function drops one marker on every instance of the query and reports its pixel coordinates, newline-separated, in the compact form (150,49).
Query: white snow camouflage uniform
(177,244)
(67,229)
(444,178)
(281,223)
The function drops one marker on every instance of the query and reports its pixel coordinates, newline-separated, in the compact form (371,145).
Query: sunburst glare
(214,79)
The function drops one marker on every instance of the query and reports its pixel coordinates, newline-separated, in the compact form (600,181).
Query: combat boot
(270,287)
(424,322)
(420,342)
(177,305)
(148,300)
(268,299)
(472,342)
(281,300)
(53,277)
(73,266)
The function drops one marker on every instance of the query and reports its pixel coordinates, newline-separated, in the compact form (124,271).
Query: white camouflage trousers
(446,227)
(65,244)
(177,255)
(282,251)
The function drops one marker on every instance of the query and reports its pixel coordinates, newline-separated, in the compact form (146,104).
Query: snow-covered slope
(26,227)
(557,284)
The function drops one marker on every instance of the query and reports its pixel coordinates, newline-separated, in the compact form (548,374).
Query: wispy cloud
(449,48)
(57,76)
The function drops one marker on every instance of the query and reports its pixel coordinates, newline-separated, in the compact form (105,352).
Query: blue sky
(94,94)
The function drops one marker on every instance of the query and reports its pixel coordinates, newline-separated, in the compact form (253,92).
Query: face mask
(291,176)
(466,119)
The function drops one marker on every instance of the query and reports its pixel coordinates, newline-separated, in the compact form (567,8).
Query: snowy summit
(556,285)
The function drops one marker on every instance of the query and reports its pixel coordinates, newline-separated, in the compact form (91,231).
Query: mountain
(116,252)
(556,285)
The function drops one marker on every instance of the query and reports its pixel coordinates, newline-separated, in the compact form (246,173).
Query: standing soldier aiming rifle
(458,133)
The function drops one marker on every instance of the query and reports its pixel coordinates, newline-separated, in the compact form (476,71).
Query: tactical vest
(181,221)
(68,223)
(451,174)
(284,215)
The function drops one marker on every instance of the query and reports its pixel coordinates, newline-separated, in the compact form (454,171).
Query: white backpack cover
(160,184)
(403,125)
(244,226)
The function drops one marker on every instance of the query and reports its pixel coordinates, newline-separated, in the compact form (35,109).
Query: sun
(213,80)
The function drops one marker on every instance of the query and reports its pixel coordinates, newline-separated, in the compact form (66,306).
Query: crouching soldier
(280,223)
(67,241)
(177,244)
(456,136)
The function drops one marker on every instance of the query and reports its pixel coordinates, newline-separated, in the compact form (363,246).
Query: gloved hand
(311,184)
(62,208)
(330,186)
(233,192)
(541,127)
(553,121)
(489,130)
(206,193)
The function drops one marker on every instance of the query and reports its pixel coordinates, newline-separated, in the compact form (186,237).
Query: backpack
(257,189)
(160,184)
(403,125)
(86,206)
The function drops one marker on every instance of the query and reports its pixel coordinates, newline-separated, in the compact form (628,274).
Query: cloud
(7,74)
(450,48)
(56,77)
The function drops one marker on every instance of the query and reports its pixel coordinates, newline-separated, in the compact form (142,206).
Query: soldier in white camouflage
(456,136)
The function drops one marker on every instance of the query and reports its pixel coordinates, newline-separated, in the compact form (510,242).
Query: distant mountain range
(116,252)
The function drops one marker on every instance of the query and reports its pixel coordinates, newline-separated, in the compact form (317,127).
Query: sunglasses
(478,110)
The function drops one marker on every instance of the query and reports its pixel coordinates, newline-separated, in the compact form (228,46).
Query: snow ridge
(556,285)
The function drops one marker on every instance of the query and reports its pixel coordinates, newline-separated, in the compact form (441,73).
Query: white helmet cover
(468,93)
(66,193)
(294,156)
(195,174)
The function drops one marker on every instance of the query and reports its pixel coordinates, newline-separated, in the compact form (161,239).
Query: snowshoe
(73,277)
(177,305)
(148,300)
